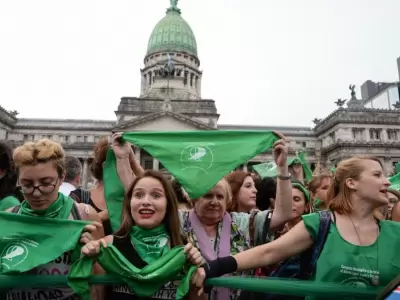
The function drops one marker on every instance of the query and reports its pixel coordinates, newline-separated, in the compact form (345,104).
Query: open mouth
(146,213)
(384,191)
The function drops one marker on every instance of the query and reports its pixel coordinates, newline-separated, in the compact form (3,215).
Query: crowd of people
(243,226)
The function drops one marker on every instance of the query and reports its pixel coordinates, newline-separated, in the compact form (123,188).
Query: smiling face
(148,203)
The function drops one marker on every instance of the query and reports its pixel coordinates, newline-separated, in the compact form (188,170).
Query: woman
(10,195)
(243,191)
(301,205)
(126,162)
(41,171)
(150,226)
(355,251)
(218,233)
(318,186)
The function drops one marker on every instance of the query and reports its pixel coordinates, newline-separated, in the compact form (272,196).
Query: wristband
(220,267)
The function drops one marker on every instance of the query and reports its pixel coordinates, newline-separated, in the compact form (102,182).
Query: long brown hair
(339,192)
(171,219)
(235,180)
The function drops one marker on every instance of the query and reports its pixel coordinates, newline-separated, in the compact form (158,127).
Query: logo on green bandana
(197,156)
(15,251)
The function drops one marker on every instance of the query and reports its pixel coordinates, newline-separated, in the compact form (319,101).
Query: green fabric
(144,282)
(270,169)
(27,242)
(262,285)
(395,181)
(345,263)
(317,204)
(8,202)
(303,189)
(199,159)
(397,168)
(302,156)
(150,244)
(59,209)
(114,191)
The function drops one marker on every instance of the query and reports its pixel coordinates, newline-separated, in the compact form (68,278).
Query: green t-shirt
(342,262)
(8,202)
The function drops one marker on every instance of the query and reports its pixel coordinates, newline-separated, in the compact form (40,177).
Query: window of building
(85,139)
(358,133)
(79,139)
(375,134)
(148,163)
(67,138)
(392,134)
(25,137)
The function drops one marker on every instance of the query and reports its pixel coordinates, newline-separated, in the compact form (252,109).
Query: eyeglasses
(47,188)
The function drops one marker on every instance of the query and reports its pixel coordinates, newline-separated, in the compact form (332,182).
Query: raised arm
(294,242)
(283,201)
(122,153)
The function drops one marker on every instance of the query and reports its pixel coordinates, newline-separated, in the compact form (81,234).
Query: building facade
(170,100)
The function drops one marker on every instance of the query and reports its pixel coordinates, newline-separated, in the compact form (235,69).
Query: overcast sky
(265,62)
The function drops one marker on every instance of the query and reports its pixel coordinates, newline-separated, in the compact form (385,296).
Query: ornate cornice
(339,144)
(154,116)
(358,116)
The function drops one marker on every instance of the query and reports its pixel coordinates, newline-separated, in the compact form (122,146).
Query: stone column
(245,169)
(155,164)
(85,173)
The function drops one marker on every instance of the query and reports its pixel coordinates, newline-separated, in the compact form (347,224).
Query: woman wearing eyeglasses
(41,171)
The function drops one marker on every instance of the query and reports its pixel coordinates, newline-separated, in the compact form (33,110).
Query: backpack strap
(75,212)
(251,226)
(267,222)
(81,196)
(85,196)
(309,261)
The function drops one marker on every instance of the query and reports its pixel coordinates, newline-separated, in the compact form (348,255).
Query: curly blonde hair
(42,151)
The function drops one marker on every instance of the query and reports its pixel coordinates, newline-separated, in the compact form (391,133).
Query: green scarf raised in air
(59,209)
(144,282)
(197,159)
(27,242)
(150,244)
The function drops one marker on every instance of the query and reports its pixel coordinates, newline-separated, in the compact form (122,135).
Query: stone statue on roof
(351,88)
(174,3)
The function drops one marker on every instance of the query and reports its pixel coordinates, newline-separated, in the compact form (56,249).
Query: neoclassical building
(170,99)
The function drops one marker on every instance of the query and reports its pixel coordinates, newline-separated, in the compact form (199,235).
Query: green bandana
(150,244)
(27,242)
(270,169)
(144,282)
(114,192)
(8,202)
(395,181)
(59,209)
(317,203)
(302,189)
(199,159)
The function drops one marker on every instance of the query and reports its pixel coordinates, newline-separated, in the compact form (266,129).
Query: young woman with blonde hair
(41,171)
(355,251)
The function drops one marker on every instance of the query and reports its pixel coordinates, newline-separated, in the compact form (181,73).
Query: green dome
(172,33)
